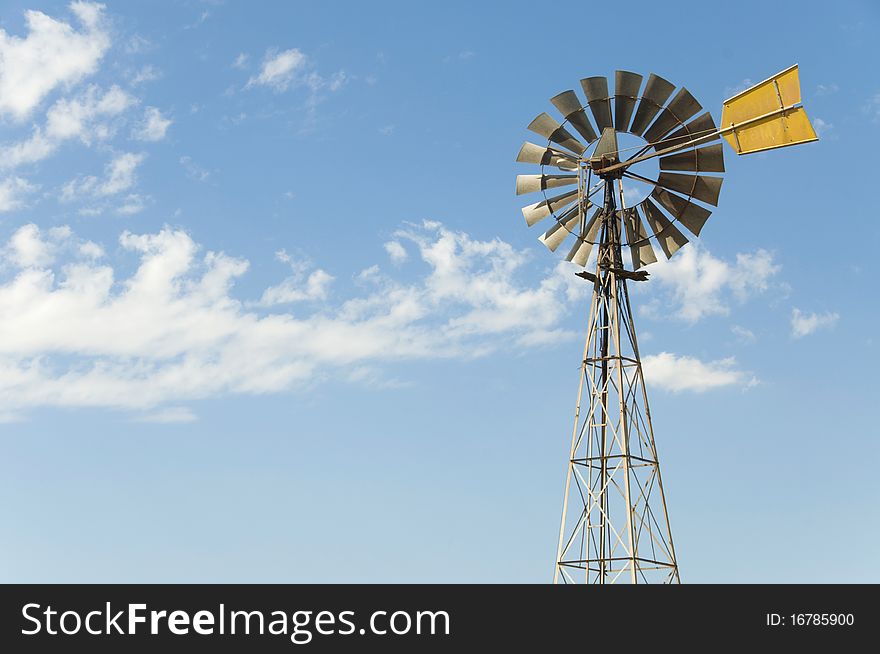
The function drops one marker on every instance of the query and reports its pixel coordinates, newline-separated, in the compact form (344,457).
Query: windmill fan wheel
(585,143)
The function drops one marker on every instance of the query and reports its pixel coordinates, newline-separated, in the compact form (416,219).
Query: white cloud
(137,44)
(12,192)
(75,118)
(827,89)
(175,414)
(291,68)
(85,117)
(872,107)
(279,69)
(133,204)
(677,373)
(699,284)
(463,55)
(53,53)
(396,251)
(739,88)
(299,286)
(633,194)
(241,61)
(335,82)
(76,332)
(194,170)
(153,127)
(29,247)
(804,324)
(119,176)
(147,73)
(822,127)
(743,335)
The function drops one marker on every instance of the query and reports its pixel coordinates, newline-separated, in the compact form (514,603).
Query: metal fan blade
(702,124)
(583,244)
(708,160)
(642,254)
(705,189)
(688,214)
(657,91)
(567,224)
(546,126)
(534,183)
(606,150)
(535,212)
(596,90)
(569,105)
(539,154)
(626,94)
(668,235)
(680,109)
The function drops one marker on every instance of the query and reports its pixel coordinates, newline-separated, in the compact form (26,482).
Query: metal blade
(705,189)
(688,214)
(534,183)
(606,150)
(626,94)
(535,212)
(539,154)
(679,110)
(702,124)
(596,90)
(708,160)
(567,224)
(546,126)
(580,251)
(668,236)
(657,91)
(569,105)
(642,254)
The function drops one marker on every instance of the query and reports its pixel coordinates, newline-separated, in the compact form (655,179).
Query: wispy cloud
(145,74)
(171,415)
(194,170)
(676,373)
(804,324)
(300,286)
(396,251)
(827,89)
(153,127)
(119,175)
(822,127)
(872,107)
(744,335)
(699,284)
(280,70)
(288,69)
(738,88)
(462,55)
(13,191)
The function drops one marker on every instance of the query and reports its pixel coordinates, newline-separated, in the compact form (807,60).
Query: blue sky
(269,310)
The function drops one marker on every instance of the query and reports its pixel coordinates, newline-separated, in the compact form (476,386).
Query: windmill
(615,524)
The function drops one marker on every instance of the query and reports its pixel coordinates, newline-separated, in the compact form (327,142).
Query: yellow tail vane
(767,115)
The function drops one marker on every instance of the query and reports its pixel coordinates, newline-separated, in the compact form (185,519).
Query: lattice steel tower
(615,524)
